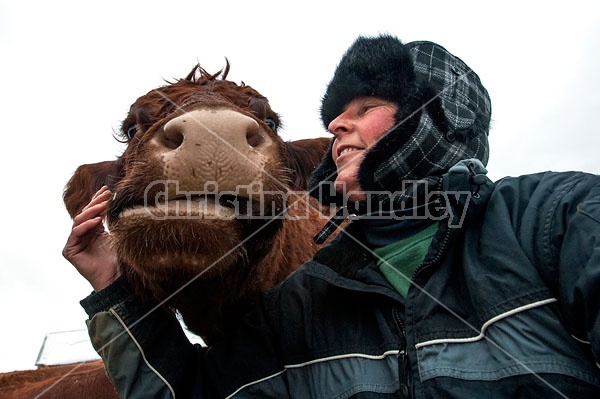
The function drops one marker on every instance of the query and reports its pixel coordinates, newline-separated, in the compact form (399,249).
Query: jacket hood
(443,113)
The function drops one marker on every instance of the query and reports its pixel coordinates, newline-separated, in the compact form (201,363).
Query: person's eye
(364,109)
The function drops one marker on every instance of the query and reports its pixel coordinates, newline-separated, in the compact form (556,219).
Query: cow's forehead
(165,100)
(181,91)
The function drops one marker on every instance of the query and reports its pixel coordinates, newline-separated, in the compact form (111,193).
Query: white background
(70,69)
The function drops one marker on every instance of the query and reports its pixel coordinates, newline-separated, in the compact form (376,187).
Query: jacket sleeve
(147,355)
(572,240)
(579,265)
(121,331)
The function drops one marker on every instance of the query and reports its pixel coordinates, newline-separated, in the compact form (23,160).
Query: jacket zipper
(438,255)
(403,370)
(403,366)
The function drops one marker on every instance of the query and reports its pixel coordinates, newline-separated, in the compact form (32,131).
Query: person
(443,285)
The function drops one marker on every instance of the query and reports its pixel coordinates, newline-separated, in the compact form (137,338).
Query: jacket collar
(456,197)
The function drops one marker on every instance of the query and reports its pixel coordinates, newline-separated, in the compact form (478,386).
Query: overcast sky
(70,70)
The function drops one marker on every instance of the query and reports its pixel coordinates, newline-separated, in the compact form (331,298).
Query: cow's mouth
(188,207)
(160,203)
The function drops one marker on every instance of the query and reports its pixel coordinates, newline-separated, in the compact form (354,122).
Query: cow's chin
(165,253)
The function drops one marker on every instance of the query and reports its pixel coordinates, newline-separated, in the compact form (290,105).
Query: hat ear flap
(459,103)
(435,109)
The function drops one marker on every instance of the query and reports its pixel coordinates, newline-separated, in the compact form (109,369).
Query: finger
(100,191)
(90,213)
(100,196)
(80,237)
(85,227)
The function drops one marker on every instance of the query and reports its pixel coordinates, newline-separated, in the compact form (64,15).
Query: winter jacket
(505,305)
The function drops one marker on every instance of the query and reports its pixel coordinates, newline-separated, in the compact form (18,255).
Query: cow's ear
(88,179)
(303,157)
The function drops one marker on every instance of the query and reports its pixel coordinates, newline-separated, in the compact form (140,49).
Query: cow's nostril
(253,137)
(173,135)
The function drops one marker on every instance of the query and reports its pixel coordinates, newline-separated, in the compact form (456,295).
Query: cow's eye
(271,123)
(131,131)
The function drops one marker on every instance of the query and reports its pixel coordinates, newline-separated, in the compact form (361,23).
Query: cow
(72,381)
(209,205)
(209,208)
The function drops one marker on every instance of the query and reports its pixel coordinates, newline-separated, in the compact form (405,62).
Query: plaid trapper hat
(443,112)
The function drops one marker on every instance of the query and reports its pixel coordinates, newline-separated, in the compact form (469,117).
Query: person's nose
(340,125)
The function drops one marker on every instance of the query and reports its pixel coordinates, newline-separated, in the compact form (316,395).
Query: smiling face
(355,131)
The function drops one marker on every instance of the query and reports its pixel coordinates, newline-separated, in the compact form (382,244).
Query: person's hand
(89,247)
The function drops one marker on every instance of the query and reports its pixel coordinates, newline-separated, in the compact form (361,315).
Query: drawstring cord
(477,179)
(345,212)
(331,226)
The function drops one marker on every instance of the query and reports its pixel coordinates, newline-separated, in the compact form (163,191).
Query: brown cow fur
(211,271)
(85,380)
(159,257)
(269,250)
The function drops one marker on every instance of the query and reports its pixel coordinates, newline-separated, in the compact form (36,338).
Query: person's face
(355,130)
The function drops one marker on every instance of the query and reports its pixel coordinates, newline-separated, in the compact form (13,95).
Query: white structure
(68,347)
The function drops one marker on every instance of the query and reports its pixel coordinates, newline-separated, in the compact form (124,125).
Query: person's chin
(349,189)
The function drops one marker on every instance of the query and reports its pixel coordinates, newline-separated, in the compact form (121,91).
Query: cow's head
(206,198)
